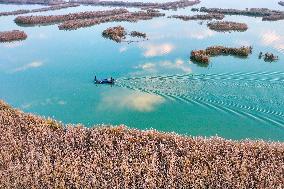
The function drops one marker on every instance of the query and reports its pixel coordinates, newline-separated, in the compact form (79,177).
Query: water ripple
(253,95)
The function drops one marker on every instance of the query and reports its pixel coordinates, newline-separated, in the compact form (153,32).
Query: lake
(51,74)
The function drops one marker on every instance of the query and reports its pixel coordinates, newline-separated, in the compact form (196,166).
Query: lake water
(158,87)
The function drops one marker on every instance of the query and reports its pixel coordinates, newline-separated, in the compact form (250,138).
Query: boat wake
(254,95)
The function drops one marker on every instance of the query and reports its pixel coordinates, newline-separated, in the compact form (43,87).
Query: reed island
(14,35)
(44,9)
(74,21)
(227,26)
(172,5)
(209,16)
(40,2)
(266,14)
(118,34)
(43,153)
(203,56)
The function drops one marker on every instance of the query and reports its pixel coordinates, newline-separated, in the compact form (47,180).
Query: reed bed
(227,26)
(42,2)
(42,153)
(266,14)
(203,56)
(138,34)
(115,33)
(173,5)
(14,35)
(210,16)
(51,8)
(127,17)
(36,20)
(118,34)
(268,57)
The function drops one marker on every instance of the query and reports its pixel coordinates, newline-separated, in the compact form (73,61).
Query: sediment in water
(227,26)
(209,16)
(14,35)
(203,56)
(51,8)
(43,153)
(165,6)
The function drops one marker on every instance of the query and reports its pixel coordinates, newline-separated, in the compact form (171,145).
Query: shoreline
(38,152)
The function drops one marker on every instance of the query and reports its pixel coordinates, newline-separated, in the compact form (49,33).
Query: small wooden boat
(104,81)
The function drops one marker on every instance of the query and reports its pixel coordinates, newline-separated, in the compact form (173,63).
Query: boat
(109,81)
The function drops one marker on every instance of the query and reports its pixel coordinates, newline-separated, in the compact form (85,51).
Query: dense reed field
(42,153)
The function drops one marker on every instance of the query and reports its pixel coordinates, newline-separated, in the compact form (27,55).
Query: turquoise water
(158,87)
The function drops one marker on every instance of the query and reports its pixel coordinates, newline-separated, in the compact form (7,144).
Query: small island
(203,56)
(44,9)
(74,21)
(118,34)
(209,16)
(266,14)
(227,26)
(14,35)
(115,33)
(40,2)
(268,57)
(174,5)
(45,20)
(126,17)
(138,34)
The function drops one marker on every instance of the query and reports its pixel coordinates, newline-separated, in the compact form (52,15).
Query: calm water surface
(158,87)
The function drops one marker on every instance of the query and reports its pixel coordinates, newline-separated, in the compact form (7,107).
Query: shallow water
(158,87)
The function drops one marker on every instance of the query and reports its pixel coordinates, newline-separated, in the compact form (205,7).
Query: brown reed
(42,153)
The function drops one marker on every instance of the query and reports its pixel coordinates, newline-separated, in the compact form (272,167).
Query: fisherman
(260,55)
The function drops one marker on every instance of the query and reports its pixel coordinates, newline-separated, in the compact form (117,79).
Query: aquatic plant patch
(172,5)
(227,26)
(203,56)
(14,35)
(118,34)
(210,16)
(51,8)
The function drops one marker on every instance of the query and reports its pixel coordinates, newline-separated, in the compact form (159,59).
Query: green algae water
(51,74)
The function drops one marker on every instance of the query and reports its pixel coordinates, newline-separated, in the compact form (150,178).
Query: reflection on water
(160,67)
(138,101)
(273,39)
(152,50)
(158,87)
